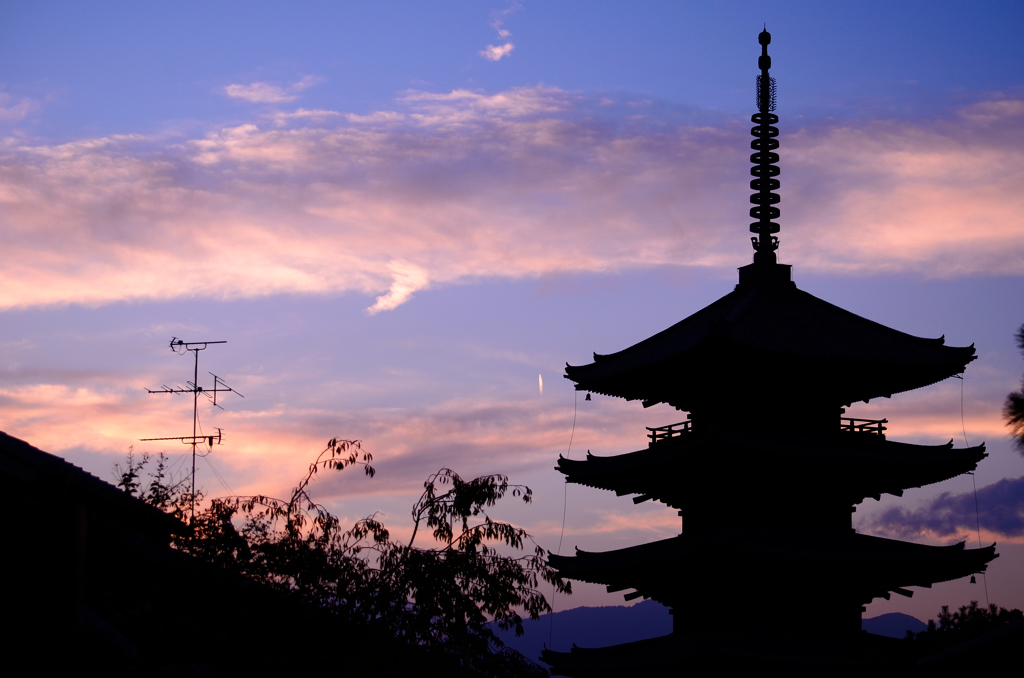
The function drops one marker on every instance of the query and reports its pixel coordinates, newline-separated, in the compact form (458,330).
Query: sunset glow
(396,218)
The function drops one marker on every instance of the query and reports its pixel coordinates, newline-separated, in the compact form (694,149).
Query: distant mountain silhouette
(894,625)
(590,627)
(602,626)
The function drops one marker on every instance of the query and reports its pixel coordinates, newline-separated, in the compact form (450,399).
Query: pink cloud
(463,185)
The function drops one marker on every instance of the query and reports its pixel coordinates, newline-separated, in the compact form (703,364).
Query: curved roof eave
(783,322)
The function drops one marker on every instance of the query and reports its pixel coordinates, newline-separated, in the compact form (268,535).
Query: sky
(405,218)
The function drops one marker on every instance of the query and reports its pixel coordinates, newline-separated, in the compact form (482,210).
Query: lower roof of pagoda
(869,566)
(856,465)
(766,336)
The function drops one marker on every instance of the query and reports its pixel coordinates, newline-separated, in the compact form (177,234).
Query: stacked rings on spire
(765,169)
(765,161)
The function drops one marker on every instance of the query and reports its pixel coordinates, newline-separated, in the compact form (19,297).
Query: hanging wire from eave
(565,502)
(974,482)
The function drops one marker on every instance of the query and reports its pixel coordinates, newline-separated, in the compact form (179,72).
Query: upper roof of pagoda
(768,329)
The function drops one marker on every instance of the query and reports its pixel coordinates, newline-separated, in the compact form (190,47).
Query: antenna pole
(195,423)
(179,346)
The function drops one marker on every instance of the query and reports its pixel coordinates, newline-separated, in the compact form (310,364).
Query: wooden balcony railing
(671,431)
(869,426)
(846,425)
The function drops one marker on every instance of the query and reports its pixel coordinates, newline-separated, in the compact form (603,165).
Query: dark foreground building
(766,471)
(92,586)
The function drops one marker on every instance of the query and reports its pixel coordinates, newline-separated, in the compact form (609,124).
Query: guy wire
(565,497)
(219,476)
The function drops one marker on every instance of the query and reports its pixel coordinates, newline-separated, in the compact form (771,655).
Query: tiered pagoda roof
(861,465)
(877,565)
(770,327)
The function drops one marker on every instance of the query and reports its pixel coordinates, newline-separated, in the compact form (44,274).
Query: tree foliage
(953,628)
(1013,408)
(438,598)
(161,491)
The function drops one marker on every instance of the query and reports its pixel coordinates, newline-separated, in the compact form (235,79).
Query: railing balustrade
(846,425)
(870,426)
(671,431)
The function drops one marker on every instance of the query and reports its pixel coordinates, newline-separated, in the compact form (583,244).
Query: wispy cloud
(497,52)
(259,93)
(408,278)
(520,183)
(266,93)
(502,32)
(12,110)
(274,441)
(306,82)
(953,175)
(282,118)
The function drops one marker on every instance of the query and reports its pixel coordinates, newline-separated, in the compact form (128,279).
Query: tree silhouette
(439,599)
(1013,409)
(166,494)
(953,628)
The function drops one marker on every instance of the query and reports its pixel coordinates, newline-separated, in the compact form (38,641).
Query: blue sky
(109,67)
(400,214)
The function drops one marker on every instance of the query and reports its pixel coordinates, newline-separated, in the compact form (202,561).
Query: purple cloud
(1000,510)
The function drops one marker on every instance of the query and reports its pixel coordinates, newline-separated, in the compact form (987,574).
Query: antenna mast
(181,348)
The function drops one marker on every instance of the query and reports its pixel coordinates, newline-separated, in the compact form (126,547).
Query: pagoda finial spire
(765,168)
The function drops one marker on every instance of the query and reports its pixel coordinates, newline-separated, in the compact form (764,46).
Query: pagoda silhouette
(766,472)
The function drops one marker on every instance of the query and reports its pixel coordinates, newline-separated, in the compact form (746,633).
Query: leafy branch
(439,599)
(1013,408)
(462,501)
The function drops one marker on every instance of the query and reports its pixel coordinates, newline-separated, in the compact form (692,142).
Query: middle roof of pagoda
(767,328)
(858,465)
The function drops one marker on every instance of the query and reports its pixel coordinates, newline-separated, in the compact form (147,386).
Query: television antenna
(182,347)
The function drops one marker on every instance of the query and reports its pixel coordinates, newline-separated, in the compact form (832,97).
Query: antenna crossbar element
(177,345)
(217,383)
(192,440)
(192,389)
